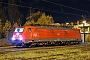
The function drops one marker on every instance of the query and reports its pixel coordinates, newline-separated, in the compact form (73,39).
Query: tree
(34,16)
(0,27)
(15,24)
(45,20)
(29,22)
(32,19)
(2,12)
(50,19)
(7,28)
(13,11)
(42,19)
(38,18)
(19,22)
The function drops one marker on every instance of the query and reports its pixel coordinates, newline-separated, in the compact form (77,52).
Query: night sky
(57,8)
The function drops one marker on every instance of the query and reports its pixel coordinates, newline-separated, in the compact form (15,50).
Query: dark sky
(68,6)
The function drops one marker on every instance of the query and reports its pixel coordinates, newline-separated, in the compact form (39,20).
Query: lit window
(29,30)
(19,29)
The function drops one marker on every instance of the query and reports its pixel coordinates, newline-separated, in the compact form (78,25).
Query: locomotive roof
(55,28)
(44,27)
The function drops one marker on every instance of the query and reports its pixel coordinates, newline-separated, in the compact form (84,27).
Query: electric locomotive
(33,35)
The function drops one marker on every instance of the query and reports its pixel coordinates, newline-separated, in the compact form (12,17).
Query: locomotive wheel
(26,45)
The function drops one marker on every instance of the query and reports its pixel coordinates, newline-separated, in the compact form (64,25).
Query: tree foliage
(43,19)
(15,24)
(30,22)
(0,25)
(34,16)
(7,26)
(19,22)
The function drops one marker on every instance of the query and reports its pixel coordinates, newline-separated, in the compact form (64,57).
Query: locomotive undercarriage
(49,43)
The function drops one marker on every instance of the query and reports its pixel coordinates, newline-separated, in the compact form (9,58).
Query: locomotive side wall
(56,34)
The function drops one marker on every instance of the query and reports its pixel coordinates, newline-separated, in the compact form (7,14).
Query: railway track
(20,49)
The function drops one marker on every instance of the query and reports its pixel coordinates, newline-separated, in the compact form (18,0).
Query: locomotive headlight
(13,38)
(17,33)
(20,35)
(14,35)
(20,38)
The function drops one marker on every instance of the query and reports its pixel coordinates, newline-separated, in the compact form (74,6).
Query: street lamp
(84,22)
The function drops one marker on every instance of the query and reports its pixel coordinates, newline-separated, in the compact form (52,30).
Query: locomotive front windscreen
(19,29)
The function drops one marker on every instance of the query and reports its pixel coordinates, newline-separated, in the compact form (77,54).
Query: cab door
(29,34)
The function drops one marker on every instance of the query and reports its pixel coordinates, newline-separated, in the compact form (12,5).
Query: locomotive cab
(23,35)
(18,37)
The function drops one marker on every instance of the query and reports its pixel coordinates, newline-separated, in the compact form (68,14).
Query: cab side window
(29,29)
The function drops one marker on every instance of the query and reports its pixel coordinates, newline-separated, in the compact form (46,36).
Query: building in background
(83,25)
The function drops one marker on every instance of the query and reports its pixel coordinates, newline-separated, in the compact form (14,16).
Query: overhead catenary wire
(41,9)
(65,6)
(67,13)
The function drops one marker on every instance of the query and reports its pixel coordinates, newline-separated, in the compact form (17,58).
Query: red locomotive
(32,35)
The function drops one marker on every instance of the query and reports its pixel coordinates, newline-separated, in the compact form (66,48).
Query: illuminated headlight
(20,38)
(17,33)
(13,38)
(14,35)
(20,35)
